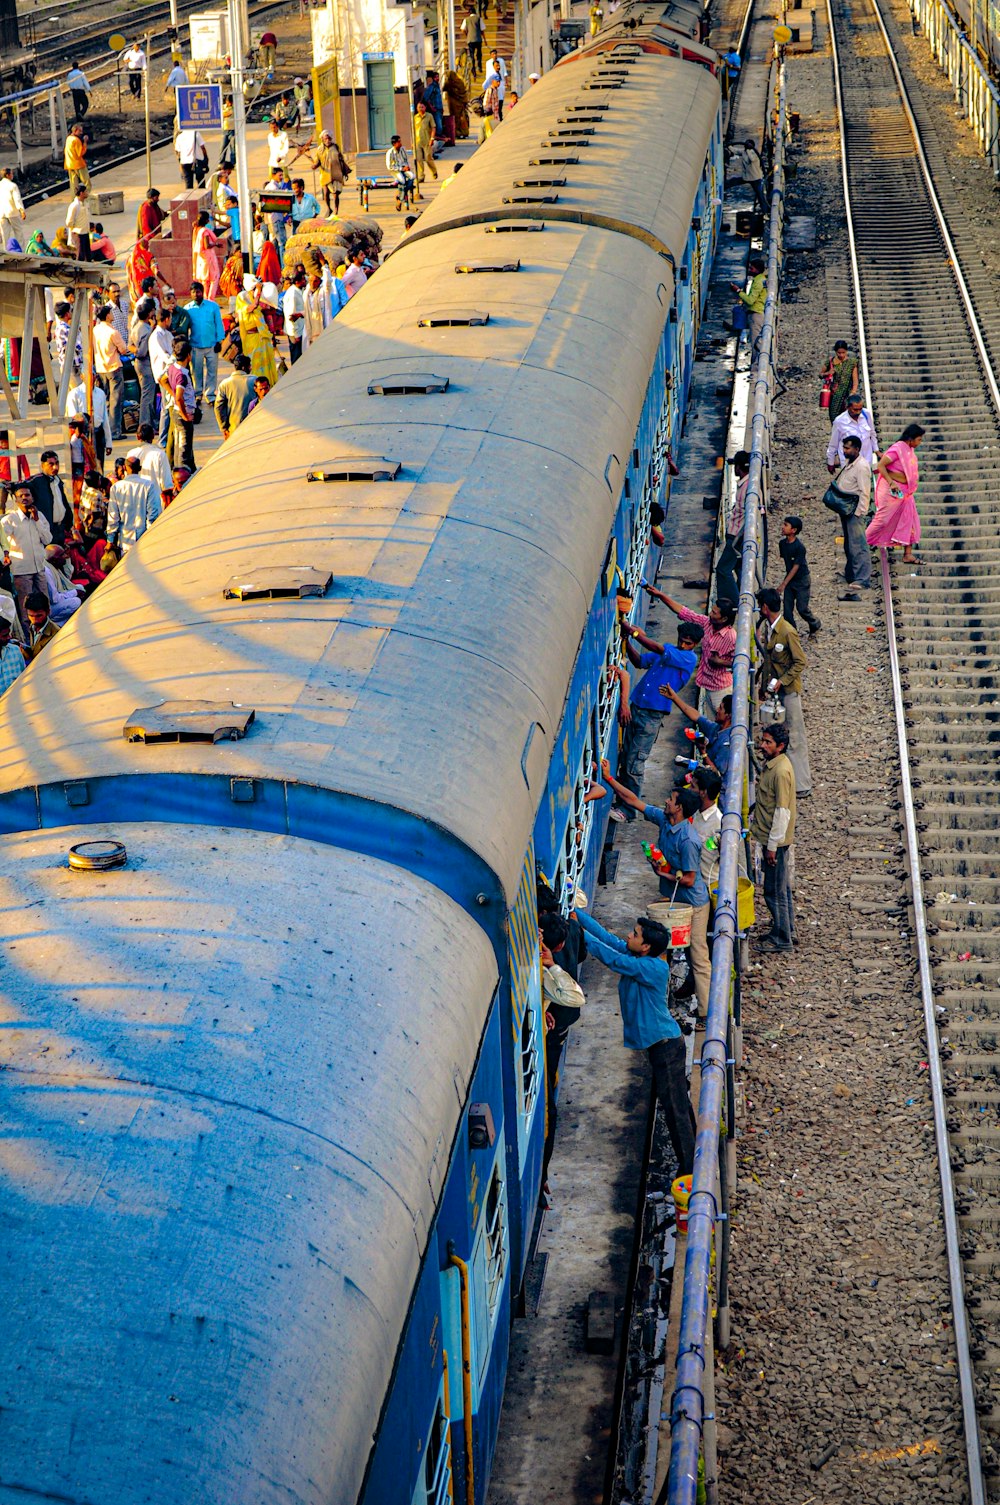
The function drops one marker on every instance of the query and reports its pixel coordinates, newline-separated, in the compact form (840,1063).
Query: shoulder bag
(843,503)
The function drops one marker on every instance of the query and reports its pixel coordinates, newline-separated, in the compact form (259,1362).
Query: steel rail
(977,1486)
(694,1348)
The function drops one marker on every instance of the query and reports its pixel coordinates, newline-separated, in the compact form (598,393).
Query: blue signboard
(377,57)
(199,107)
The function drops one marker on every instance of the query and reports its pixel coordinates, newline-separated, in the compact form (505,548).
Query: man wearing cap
(533,78)
(302,95)
(855,419)
(329,162)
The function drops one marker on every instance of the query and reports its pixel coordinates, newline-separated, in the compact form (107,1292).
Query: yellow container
(745,914)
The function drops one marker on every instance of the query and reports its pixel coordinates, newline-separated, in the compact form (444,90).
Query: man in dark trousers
(797,584)
(50,497)
(647,1023)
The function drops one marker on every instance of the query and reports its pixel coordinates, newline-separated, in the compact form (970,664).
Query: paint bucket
(680,1190)
(676,920)
(741,318)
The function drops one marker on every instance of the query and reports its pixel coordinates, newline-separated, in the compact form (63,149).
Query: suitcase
(112,202)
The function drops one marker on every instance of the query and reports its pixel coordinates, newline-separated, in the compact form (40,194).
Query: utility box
(209,36)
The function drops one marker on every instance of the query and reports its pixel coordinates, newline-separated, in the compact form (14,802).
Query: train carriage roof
(460,591)
(638,172)
(233,1071)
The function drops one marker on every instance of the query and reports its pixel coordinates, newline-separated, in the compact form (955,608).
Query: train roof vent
(188,721)
(575,141)
(583,109)
(530,198)
(97,856)
(466,317)
(488,266)
(273,582)
(604,81)
(580,118)
(508,226)
(559,158)
(539,182)
(357,468)
(408,384)
(576,129)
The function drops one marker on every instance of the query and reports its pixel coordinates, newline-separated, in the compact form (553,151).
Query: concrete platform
(131,180)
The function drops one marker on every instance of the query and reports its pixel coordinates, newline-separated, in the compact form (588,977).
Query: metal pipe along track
(919,335)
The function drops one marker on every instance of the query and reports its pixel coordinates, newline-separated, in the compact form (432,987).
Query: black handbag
(843,503)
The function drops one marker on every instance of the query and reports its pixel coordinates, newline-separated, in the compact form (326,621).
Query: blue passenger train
(273,1067)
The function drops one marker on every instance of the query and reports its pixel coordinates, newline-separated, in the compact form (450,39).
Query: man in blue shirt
(681,881)
(717,732)
(207,335)
(305,206)
(663,665)
(647,1023)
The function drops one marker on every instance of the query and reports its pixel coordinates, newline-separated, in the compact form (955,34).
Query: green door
(381,103)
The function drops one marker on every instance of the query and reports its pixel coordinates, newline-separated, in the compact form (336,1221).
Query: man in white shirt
(497,68)
(293,306)
(135,65)
(152,462)
(11,203)
(76,407)
(856,479)
(109,347)
(192,154)
(161,356)
(133,505)
(79,87)
(278,223)
(855,419)
(277,146)
(355,275)
(24,535)
(78,222)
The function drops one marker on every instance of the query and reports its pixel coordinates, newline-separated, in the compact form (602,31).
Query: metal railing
(975,92)
(707,1216)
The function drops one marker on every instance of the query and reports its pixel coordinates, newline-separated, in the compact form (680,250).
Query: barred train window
(437,1460)
(530,1075)
(496,1251)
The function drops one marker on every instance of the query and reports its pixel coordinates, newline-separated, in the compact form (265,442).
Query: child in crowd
(796,585)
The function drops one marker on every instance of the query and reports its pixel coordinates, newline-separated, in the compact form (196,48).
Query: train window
(495,1241)
(530,1074)
(437,1458)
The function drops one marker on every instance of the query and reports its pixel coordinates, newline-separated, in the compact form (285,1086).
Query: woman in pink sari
(206,258)
(896,519)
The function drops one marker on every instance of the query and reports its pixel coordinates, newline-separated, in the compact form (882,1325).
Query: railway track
(928,339)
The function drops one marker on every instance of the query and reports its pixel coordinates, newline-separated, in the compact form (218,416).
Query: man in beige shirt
(78,222)
(856,479)
(109,347)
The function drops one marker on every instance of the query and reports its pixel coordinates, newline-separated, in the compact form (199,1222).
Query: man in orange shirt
(75,160)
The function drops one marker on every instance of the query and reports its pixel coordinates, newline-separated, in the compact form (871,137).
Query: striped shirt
(718,642)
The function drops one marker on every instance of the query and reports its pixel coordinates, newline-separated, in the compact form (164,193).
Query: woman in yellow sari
(255,337)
